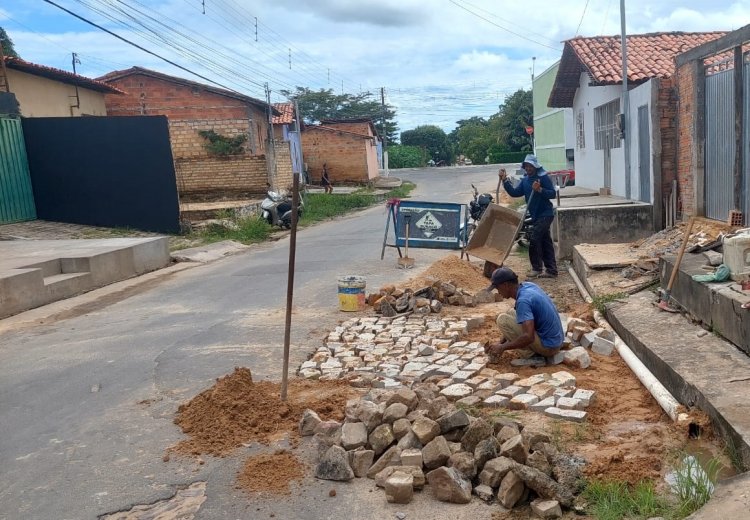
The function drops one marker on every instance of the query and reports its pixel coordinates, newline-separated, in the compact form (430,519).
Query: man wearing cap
(536,181)
(532,324)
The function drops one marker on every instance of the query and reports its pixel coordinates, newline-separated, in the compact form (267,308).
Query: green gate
(16,195)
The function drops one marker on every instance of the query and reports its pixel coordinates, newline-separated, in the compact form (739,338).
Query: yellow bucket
(352,293)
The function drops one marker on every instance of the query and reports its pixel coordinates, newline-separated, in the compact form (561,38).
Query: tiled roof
(118,74)
(60,75)
(287,114)
(649,56)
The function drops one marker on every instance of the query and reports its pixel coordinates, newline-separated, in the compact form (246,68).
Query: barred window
(580,131)
(605,125)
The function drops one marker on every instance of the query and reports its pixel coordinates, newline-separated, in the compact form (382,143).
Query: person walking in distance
(326,180)
(536,182)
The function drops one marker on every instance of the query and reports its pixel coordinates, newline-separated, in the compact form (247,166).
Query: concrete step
(700,369)
(65,285)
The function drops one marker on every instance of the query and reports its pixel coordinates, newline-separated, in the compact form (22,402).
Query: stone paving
(390,353)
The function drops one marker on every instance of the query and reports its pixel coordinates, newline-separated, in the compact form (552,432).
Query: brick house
(192,107)
(348,146)
(43,91)
(589,80)
(713,159)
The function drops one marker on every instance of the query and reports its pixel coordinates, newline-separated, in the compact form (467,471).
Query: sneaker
(533,274)
(547,275)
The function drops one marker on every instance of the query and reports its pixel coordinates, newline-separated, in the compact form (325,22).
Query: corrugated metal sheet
(720,145)
(16,195)
(746,142)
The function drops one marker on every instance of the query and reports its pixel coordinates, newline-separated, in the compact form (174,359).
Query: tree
(433,139)
(516,113)
(317,105)
(7,44)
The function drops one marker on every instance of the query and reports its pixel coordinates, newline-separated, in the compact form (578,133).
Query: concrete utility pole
(626,130)
(385,133)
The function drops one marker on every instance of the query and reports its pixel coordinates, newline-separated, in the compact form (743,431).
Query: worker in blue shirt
(541,248)
(533,323)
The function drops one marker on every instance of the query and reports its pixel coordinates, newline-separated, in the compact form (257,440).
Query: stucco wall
(639,96)
(589,161)
(42,97)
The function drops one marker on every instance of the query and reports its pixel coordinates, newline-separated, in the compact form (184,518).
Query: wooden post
(290,286)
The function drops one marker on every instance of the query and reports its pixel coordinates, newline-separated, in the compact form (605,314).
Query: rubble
(457,454)
(391,301)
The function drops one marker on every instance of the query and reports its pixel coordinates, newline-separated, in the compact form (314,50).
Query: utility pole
(256,28)
(533,62)
(78,98)
(271,156)
(385,133)
(626,130)
(290,58)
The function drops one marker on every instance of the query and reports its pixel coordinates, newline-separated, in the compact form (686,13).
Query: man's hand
(501,173)
(495,349)
(537,186)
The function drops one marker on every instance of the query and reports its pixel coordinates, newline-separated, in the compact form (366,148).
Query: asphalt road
(86,403)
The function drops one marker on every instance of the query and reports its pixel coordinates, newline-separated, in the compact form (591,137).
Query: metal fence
(720,145)
(16,195)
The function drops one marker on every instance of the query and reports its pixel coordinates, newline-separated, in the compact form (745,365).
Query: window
(605,125)
(580,133)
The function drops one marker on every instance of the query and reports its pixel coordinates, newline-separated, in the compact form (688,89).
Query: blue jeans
(541,248)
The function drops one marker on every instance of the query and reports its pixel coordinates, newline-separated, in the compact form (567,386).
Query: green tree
(7,44)
(317,105)
(432,139)
(400,156)
(516,113)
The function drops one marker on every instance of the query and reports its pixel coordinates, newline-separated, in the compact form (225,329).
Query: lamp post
(626,130)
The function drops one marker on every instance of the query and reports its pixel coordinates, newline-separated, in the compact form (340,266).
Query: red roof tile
(649,56)
(59,75)
(287,113)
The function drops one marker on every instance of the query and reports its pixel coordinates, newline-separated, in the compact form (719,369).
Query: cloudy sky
(439,60)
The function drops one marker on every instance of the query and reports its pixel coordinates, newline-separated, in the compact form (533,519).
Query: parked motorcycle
(477,206)
(276,209)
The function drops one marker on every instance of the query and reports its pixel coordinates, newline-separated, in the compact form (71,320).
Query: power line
(501,27)
(582,15)
(138,46)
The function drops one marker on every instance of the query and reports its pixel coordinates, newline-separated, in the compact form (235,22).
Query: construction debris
(391,301)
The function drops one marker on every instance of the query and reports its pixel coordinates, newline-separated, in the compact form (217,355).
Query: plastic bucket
(352,293)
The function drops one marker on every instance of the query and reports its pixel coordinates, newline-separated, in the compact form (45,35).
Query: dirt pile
(270,473)
(452,269)
(238,410)
(668,241)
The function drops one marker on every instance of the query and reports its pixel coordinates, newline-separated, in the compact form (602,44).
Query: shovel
(666,295)
(405,262)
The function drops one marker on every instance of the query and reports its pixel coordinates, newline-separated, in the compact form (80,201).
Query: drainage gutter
(665,399)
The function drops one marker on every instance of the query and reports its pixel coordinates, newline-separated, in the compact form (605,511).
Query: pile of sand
(270,473)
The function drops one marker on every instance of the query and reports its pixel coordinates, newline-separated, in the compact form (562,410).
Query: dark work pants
(541,248)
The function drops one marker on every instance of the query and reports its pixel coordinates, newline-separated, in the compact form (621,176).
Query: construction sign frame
(432,225)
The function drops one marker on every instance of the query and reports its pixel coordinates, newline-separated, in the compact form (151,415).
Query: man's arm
(522,341)
(513,191)
(547,189)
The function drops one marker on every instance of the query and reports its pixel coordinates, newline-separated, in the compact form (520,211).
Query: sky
(439,60)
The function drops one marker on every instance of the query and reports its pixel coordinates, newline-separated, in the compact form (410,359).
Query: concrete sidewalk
(37,272)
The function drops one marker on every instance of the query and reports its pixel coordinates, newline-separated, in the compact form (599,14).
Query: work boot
(547,275)
(533,274)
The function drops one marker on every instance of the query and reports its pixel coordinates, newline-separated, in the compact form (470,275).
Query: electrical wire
(582,15)
(454,2)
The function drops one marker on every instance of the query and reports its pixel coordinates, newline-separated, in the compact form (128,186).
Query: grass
(600,302)
(734,456)
(557,435)
(318,207)
(611,500)
(694,483)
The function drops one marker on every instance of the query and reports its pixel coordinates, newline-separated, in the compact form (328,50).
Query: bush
(401,156)
(217,144)
(506,157)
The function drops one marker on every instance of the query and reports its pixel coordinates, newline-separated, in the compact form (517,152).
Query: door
(16,195)
(720,145)
(644,155)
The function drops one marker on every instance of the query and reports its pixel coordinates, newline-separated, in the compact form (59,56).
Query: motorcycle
(477,206)
(276,209)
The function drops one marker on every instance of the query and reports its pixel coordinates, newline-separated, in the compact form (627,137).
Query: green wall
(549,123)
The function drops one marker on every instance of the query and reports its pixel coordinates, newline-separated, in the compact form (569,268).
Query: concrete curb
(209,252)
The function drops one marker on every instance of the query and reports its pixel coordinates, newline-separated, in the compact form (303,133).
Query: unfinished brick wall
(210,178)
(686,163)
(283,164)
(146,95)
(202,176)
(667,114)
(345,154)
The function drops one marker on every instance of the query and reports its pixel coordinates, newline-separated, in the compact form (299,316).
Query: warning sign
(432,225)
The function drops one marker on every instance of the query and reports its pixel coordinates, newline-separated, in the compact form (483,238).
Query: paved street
(86,404)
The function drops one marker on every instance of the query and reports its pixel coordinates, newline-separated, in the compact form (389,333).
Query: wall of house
(345,154)
(554,129)
(283,164)
(640,96)
(589,161)
(200,175)
(687,153)
(147,95)
(373,165)
(42,97)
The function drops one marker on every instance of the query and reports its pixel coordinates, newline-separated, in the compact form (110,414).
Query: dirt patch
(452,269)
(270,473)
(238,410)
